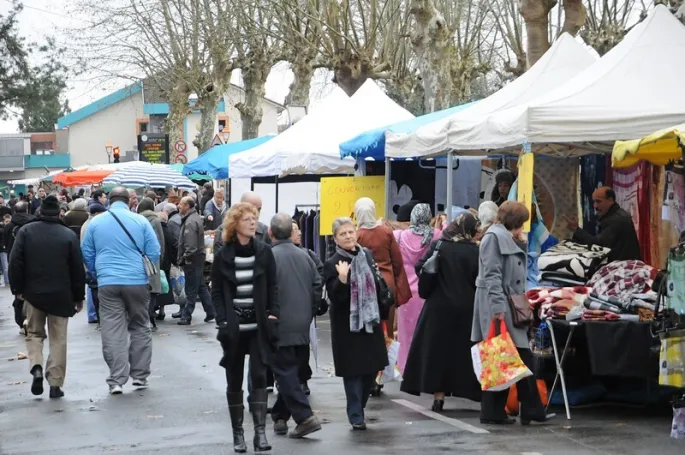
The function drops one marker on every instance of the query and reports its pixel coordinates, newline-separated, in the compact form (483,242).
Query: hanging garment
(631,186)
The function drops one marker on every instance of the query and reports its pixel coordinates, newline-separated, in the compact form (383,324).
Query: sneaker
(154,328)
(281,427)
(307,427)
(116,389)
(141,383)
(209,318)
(359,426)
(183,322)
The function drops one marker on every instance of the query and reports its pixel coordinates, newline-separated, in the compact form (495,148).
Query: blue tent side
(215,160)
(371,144)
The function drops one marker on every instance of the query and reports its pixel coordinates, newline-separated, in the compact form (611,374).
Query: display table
(618,348)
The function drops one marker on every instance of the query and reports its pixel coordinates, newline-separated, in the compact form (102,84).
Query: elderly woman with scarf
(439,359)
(356,334)
(413,243)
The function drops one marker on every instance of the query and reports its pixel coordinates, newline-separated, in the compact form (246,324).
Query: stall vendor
(504,180)
(616,228)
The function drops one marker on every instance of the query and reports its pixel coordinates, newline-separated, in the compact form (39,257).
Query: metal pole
(388,179)
(228,190)
(276,194)
(448,199)
(251,184)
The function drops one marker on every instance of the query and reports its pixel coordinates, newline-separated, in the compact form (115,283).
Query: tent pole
(228,191)
(251,184)
(388,179)
(448,199)
(276,194)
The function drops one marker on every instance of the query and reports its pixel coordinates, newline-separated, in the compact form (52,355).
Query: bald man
(262,232)
(616,228)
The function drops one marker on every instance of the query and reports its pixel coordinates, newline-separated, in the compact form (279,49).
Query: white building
(120,117)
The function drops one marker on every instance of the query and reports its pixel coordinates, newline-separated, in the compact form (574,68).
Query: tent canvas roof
(565,59)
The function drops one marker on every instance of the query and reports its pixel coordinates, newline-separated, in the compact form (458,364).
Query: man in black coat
(299,290)
(19,218)
(52,290)
(616,228)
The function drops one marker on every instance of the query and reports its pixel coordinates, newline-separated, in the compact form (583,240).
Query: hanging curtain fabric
(632,194)
(593,175)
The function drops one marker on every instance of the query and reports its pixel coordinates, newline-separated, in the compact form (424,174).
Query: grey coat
(156,279)
(501,272)
(299,292)
(191,241)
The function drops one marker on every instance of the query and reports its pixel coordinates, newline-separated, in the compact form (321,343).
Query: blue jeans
(5,271)
(195,285)
(357,390)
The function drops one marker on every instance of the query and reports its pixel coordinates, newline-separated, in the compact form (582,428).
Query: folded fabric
(561,279)
(573,260)
(599,315)
(622,279)
(645,315)
(629,317)
(593,304)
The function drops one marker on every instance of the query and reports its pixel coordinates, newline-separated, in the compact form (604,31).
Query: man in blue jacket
(114,249)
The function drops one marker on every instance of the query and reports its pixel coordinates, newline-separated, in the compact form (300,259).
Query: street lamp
(108,149)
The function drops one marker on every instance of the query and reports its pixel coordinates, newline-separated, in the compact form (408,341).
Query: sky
(42,18)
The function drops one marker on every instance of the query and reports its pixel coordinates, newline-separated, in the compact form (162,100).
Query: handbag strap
(127,233)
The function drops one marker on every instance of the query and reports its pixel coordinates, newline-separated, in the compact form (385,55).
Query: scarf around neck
(364,314)
(420,223)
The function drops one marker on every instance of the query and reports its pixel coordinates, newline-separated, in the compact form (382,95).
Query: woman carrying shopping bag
(501,279)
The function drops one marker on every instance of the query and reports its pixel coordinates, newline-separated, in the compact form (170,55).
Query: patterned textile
(556,181)
(658,258)
(364,313)
(599,315)
(574,260)
(593,175)
(622,279)
(632,194)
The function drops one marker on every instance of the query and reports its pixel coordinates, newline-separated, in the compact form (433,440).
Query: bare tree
(608,22)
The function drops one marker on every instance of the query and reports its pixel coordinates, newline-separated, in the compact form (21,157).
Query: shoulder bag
(521,313)
(150,267)
(428,276)
(386,299)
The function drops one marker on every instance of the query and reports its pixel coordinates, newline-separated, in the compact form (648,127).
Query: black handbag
(428,277)
(386,298)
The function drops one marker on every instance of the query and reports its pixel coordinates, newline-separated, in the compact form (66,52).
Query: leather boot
(258,404)
(236,409)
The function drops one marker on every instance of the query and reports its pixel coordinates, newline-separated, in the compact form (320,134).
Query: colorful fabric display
(622,279)
(572,260)
(599,315)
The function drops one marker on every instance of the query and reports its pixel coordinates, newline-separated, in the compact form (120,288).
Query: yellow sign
(339,194)
(525,183)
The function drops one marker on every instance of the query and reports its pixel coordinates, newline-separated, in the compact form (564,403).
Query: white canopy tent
(312,145)
(630,92)
(462,130)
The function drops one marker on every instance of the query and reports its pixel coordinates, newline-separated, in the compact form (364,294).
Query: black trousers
(305,371)
(291,400)
(248,344)
(493,403)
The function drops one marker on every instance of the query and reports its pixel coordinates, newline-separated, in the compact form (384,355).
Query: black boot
(37,383)
(258,404)
(236,409)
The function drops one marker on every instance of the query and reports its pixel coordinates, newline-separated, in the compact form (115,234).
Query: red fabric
(632,187)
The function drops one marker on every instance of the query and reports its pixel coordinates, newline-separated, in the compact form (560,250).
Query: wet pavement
(184,410)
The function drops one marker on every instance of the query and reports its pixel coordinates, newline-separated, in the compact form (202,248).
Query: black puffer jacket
(18,220)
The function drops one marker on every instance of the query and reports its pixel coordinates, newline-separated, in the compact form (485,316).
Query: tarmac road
(184,410)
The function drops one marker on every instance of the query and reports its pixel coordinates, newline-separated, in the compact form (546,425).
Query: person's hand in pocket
(272,326)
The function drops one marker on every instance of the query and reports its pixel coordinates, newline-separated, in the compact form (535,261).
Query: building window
(222,125)
(143,127)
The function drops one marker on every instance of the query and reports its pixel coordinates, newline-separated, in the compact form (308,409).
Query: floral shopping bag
(496,361)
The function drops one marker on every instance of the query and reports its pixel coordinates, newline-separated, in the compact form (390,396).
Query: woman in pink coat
(413,242)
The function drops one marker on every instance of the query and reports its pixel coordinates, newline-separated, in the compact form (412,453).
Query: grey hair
(340,222)
(80,204)
(281,226)
(169,208)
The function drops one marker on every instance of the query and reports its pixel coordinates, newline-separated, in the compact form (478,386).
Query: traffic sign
(180,146)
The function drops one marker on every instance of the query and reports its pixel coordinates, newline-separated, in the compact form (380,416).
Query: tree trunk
(431,42)
(574,16)
(350,72)
(208,105)
(299,88)
(255,72)
(536,16)
(178,110)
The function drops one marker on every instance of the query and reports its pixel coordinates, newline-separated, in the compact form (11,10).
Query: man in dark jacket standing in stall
(191,256)
(616,228)
(52,291)
(299,294)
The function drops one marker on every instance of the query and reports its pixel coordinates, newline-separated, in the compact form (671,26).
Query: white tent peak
(375,109)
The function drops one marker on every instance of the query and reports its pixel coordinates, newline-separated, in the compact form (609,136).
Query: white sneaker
(116,389)
(141,383)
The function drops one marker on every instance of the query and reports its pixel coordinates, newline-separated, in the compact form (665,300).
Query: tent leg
(388,179)
(251,184)
(448,199)
(276,195)
(228,192)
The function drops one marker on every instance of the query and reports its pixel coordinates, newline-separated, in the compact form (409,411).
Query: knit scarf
(363,301)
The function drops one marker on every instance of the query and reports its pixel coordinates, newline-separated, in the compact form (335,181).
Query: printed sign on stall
(525,183)
(339,194)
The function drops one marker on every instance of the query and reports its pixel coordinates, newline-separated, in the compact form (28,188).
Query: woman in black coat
(359,351)
(245,297)
(439,360)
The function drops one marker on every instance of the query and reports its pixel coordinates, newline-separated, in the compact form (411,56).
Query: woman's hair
(512,215)
(340,222)
(233,217)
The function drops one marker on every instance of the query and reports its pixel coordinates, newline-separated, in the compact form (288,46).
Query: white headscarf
(365,213)
(487,214)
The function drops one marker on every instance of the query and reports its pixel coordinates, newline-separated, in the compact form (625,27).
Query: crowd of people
(266,289)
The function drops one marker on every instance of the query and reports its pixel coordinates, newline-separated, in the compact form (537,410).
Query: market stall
(80,178)
(146,175)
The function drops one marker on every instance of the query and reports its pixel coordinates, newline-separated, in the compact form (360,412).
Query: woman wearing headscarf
(439,359)
(356,334)
(504,180)
(413,243)
(146,207)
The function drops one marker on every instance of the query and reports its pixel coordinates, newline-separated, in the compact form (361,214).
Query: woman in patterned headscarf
(413,242)
(439,359)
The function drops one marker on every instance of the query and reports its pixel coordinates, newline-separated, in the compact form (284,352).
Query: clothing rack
(309,206)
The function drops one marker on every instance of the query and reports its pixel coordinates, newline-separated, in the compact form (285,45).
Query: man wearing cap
(114,249)
(53,298)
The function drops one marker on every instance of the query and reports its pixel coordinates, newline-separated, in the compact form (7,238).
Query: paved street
(184,411)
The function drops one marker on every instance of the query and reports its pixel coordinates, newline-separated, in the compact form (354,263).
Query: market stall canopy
(149,175)
(78,178)
(658,148)
(370,107)
(632,91)
(215,160)
(468,129)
